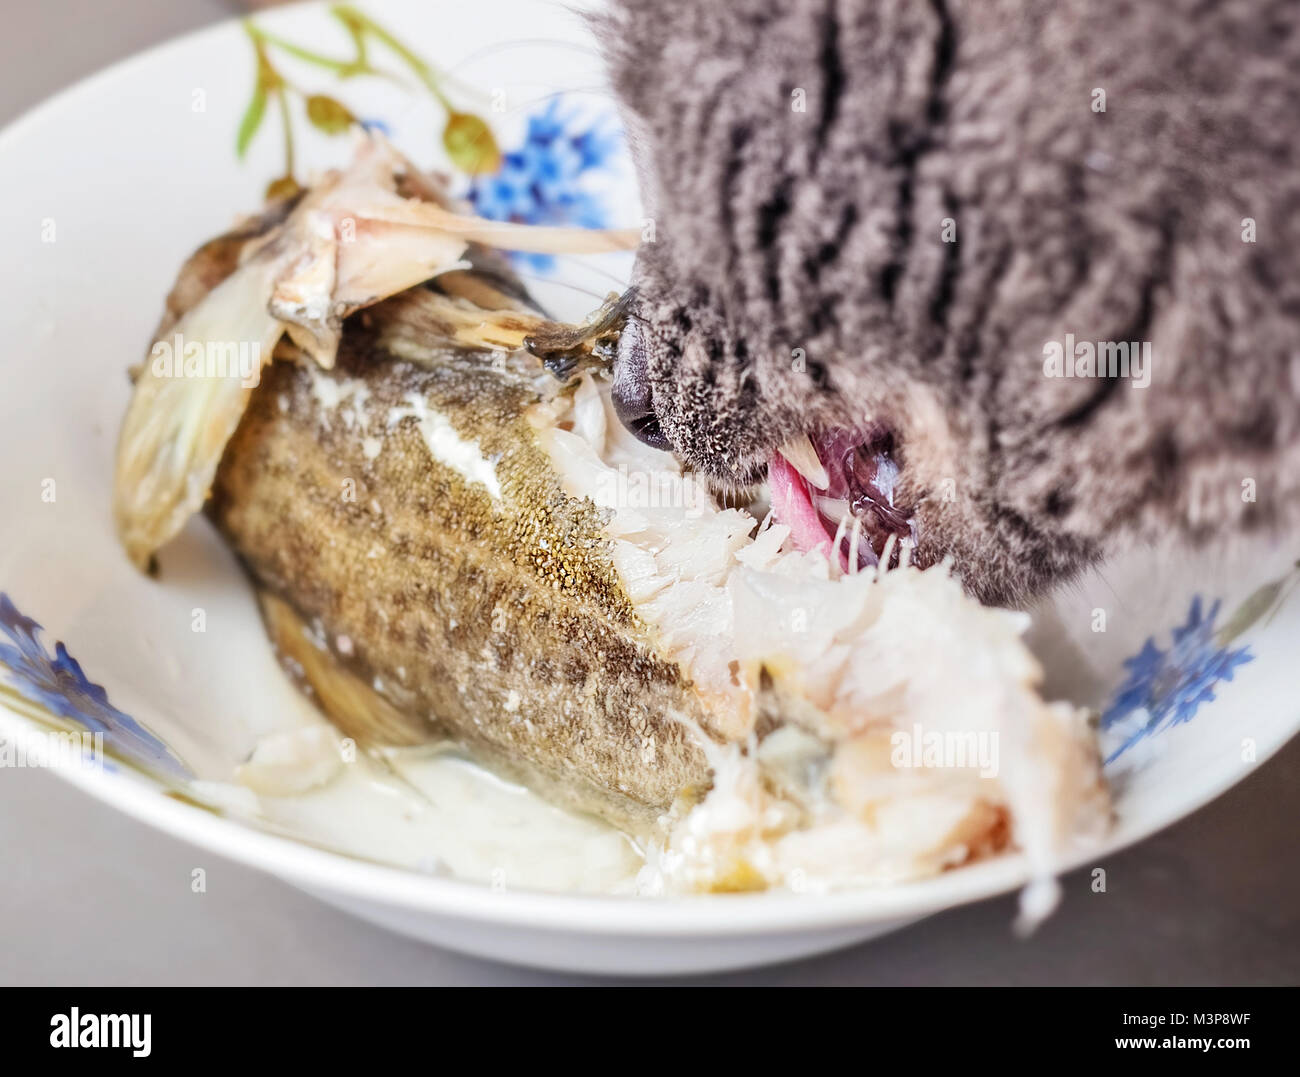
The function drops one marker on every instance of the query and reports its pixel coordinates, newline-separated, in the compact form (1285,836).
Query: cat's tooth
(833,508)
(801,455)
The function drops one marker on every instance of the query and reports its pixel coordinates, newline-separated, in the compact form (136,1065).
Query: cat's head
(850,433)
(873,222)
(784,307)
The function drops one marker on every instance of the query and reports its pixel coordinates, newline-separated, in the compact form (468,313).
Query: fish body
(401,506)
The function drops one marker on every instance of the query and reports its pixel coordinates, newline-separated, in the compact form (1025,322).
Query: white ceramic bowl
(108,187)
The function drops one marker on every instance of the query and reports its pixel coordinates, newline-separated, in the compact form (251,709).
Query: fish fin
(184,409)
(348,701)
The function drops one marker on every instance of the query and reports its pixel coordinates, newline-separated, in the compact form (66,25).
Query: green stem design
(1282,598)
(467,138)
(287,124)
(339,67)
(360,24)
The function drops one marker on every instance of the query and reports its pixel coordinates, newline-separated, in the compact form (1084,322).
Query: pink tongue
(793,507)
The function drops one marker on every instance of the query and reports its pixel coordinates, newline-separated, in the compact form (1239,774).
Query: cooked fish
(402,507)
(454,540)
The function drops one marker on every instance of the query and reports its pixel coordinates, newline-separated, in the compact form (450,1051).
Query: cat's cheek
(943,479)
(933,450)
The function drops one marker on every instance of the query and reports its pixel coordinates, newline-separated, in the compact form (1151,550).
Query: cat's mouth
(836,492)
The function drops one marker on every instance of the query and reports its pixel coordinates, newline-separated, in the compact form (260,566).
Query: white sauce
(434,811)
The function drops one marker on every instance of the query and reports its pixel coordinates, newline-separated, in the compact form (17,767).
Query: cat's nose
(631,389)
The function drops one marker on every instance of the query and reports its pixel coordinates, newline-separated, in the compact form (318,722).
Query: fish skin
(500,625)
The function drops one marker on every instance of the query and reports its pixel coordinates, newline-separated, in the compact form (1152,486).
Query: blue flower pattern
(57,683)
(1166,688)
(546,180)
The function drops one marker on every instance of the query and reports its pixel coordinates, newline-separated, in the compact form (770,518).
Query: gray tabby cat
(876,221)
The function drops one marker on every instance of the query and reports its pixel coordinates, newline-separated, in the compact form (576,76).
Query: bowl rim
(690,916)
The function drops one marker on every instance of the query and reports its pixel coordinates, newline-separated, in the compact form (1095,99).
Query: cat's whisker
(593,91)
(886,555)
(620,283)
(537,278)
(839,537)
(853,546)
(532,42)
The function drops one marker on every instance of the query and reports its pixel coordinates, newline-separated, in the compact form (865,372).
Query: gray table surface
(88,896)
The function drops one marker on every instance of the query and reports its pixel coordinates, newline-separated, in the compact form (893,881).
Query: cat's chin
(836,490)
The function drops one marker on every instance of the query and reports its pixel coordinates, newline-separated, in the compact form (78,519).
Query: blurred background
(93,897)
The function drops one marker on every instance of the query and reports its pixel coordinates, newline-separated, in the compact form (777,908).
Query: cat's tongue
(835,492)
(792,505)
